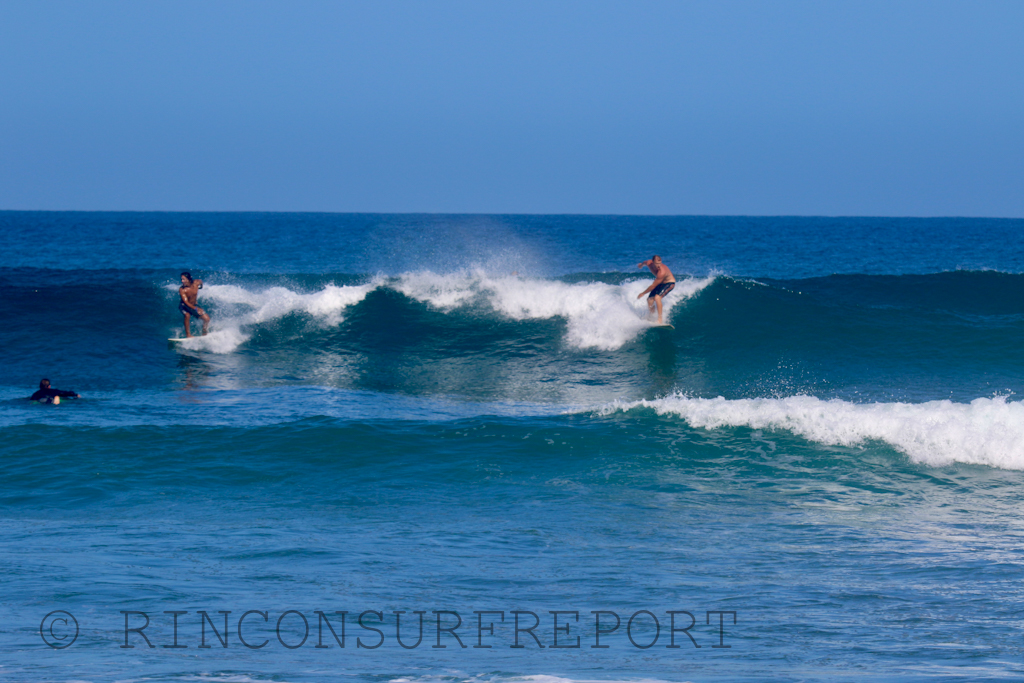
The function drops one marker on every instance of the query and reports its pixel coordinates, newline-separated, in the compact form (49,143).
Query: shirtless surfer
(189,292)
(664,282)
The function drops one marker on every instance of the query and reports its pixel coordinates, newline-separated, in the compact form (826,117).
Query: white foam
(277,302)
(217,341)
(444,292)
(986,431)
(599,315)
(238,309)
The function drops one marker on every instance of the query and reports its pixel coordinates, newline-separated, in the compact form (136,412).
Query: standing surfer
(189,292)
(664,282)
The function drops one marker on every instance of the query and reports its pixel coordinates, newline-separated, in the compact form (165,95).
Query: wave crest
(238,308)
(599,315)
(986,431)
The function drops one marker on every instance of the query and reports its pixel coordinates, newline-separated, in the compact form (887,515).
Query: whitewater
(601,316)
(987,431)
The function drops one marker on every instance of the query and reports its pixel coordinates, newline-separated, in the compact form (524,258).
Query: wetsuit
(47,395)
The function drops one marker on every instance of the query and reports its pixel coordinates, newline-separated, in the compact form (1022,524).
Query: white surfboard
(662,325)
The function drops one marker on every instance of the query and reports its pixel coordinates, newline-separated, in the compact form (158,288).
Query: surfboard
(56,401)
(179,339)
(662,325)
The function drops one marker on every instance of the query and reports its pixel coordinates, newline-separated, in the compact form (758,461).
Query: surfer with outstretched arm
(664,282)
(189,292)
(48,395)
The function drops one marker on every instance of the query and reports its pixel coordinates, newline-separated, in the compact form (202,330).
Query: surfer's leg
(206,322)
(660,291)
(188,327)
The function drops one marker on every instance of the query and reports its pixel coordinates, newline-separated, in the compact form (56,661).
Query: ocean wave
(979,292)
(986,431)
(239,309)
(599,315)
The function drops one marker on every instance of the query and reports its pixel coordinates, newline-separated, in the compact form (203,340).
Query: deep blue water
(468,413)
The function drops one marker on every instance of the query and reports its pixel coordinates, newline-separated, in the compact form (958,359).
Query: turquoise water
(451,414)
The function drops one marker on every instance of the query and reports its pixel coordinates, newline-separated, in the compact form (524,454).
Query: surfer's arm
(43,394)
(650,265)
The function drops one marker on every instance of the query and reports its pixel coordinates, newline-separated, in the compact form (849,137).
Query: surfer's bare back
(189,293)
(664,282)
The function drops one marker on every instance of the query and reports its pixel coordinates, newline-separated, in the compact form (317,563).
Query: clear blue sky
(897,108)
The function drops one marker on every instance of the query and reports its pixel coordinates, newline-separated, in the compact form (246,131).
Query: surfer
(189,292)
(48,395)
(664,282)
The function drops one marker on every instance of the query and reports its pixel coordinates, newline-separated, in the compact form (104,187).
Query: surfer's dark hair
(188,275)
(42,382)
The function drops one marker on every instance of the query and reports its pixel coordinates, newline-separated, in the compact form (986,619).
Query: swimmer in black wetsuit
(189,293)
(48,395)
(664,282)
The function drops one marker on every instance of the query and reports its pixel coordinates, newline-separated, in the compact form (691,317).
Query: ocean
(447,448)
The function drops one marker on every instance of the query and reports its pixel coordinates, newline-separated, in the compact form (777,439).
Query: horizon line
(524,213)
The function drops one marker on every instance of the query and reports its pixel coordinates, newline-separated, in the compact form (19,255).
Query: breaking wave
(986,431)
(598,315)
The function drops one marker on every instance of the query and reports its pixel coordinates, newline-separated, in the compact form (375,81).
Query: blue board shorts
(662,290)
(185,308)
